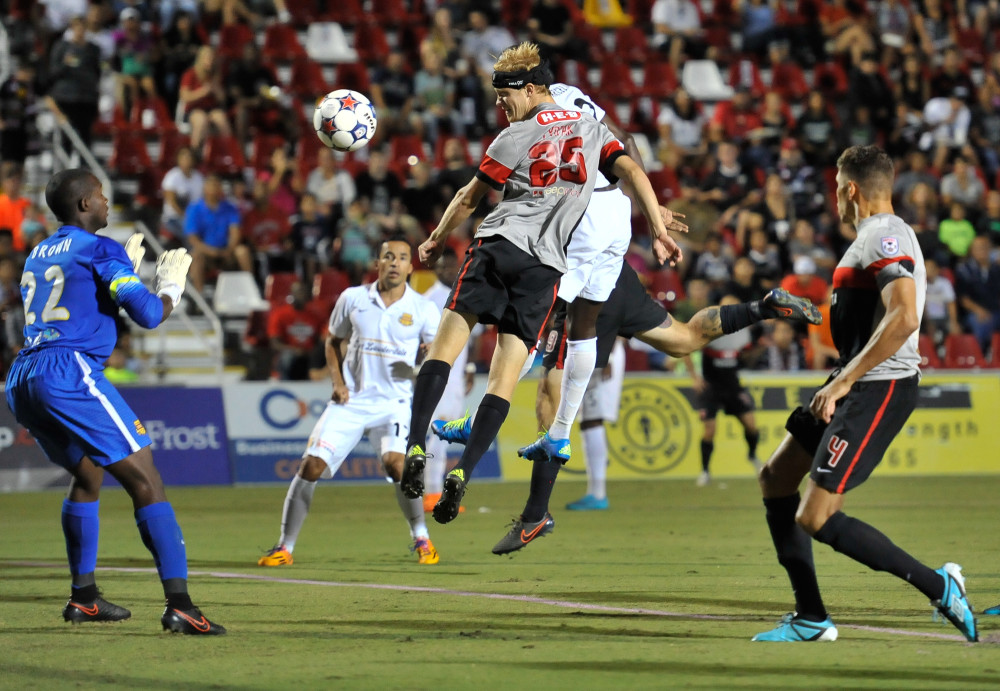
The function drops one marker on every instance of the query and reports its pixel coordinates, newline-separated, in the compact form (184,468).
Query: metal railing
(64,159)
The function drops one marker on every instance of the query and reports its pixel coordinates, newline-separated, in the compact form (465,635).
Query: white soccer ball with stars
(345,120)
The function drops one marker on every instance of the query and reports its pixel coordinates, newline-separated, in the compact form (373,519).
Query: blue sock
(162,537)
(81,524)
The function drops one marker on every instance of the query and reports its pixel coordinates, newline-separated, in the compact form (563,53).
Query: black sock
(752,439)
(427,392)
(86,593)
(707,447)
(176,592)
(487,423)
(736,317)
(543,477)
(863,543)
(794,548)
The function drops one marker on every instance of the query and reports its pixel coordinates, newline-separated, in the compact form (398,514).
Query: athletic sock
(81,528)
(162,537)
(595,449)
(581,358)
(732,318)
(794,548)
(437,461)
(175,590)
(707,447)
(85,593)
(293,515)
(543,477)
(753,438)
(413,512)
(427,391)
(489,419)
(863,543)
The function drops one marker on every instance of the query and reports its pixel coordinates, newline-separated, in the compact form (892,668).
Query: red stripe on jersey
(877,266)
(494,170)
(458,282)
(864,442)
(610,148)
(844,277)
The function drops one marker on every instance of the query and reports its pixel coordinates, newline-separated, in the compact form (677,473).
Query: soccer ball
(345,120)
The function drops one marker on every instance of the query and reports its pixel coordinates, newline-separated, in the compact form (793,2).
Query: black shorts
(503,285)
(867,419)
(733,401)
(628,311)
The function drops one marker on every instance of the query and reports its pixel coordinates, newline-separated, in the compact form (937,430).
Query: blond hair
(517,58)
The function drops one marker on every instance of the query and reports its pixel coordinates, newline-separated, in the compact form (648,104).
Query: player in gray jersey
(878,297)
(545,164)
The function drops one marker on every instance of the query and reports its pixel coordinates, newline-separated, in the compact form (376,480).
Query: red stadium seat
(308,151)
(117,123)
(329,284)
(830,79)
(171,141)
(255,333)
(263,146)
(150,192)
(306,80)
(641,11)
(788,79)
(129,156)
(322,309)
(348,12)
(632,45)
(404,146)
(616,81)
(574,72)
(232,38)
(665,184)
(636,360)
(352,75)
(409,40)
(487,344)
(439,150)
(643,114)
(281,43)
(224,156)
(392,13)
(592,37)
(151,115)
(961,351)
(928,353)
(371,43)
(278,287)
(666,286)
(659,80)
(743,73)
(514,13)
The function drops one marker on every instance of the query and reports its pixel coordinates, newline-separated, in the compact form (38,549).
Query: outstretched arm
(664,247)
(459,209)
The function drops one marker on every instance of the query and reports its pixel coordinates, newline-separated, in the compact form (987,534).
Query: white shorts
(604,396)
(386,422)
(597,248)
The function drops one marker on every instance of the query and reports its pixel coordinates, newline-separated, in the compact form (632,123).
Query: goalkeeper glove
(135,251)
(171,274)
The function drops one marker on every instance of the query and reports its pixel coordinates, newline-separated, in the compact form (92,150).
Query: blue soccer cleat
(545,448)
(953,605)
(588,503)
(791,629)
(993,611)
(454,431)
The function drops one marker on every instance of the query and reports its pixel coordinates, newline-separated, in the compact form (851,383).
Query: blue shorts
(62,398)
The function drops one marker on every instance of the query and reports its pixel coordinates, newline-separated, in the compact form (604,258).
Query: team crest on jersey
(139,429)
(890,246)
(406,319)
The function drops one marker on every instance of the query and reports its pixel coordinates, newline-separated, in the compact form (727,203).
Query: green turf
(664,546)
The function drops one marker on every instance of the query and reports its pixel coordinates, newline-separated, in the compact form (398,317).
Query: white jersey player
(375,335)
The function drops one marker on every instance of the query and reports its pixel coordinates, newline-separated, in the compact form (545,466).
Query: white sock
(297,502)
(413,512)
(437,460)
(581,358)
(595,449)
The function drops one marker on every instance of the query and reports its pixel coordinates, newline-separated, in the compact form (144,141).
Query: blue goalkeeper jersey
(73,285)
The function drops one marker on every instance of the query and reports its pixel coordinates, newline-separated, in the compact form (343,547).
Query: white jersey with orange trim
(547,167)
(382,340)
(885,250)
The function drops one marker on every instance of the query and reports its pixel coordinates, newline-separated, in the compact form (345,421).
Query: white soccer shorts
(603,397)
(597,248)
(386,422)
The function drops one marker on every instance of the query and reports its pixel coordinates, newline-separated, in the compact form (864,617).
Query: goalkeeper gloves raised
(171,274)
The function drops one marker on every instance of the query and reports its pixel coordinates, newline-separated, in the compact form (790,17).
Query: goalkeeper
(73,285)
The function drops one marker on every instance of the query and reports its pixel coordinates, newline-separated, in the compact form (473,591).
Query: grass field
(665,590)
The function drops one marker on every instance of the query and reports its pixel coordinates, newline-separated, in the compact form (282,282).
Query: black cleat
(784,305)
(189,621)
(448,505)
(412,480)
(98,610)
(522,533)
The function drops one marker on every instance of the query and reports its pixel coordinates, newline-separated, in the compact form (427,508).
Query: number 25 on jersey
(561,159)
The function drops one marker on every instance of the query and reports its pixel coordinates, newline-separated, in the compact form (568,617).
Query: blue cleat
(454,431)
(545,448)
(791,629)
(588,503)
(993,611)
(953,605)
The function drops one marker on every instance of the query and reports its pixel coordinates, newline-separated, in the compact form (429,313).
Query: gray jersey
(546,166)
(885,250)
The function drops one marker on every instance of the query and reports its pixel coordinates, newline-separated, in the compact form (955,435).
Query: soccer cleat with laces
(588,503)
(431,499)
(449,504)
(953,604)
(98,610)
(189,621)
(276,556)
(454,431)
(792,629)
(412,481)
(787,306)
(545,448)
(425,551)
(521,533)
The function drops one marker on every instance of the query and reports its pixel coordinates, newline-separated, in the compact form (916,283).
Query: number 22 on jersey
(51,312)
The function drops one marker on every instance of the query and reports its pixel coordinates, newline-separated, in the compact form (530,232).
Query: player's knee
(311,469)
(810,520)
